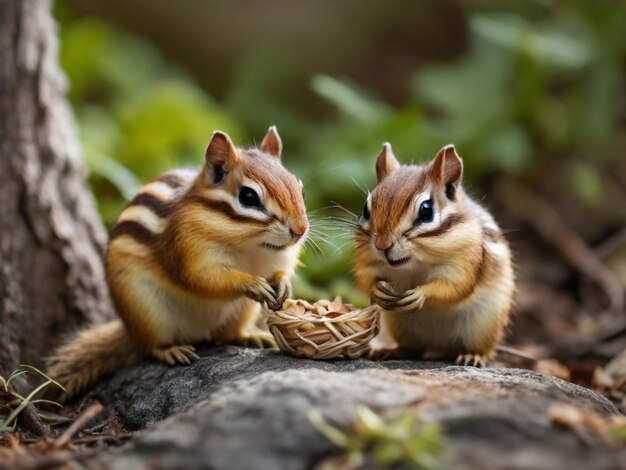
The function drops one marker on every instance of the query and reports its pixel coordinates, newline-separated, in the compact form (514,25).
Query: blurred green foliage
(527,89)
(138,114)
(397,440)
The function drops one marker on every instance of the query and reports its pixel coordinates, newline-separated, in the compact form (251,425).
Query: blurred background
(532,93)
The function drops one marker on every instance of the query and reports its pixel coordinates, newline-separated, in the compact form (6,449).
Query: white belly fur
(193,319)
(180,317)
(456,328)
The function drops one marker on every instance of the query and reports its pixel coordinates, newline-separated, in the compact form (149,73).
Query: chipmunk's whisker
(315,238)
(344,225)
(314,213)
(341,221)
(341,246)
(319,229)
(313,245)
(360,186)
(336,205)
(316,233)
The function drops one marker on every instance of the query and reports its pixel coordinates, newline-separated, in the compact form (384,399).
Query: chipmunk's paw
(257,339)
(183,354)
(282,286)
(385,296)
(476,360)
(263,292)
(412,299)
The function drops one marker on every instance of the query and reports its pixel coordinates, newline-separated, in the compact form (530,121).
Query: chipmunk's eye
(426,212)
(366,212)
(248,197)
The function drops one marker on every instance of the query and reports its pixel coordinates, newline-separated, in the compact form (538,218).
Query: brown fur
(394,194)
(450,223)
(95,352)
(221,206)
(159,206)
(134,230)
(173,179)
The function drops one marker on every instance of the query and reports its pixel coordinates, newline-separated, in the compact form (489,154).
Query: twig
(97,428)
(56,459)
(516,352)
(612,244)
(30,421)
(89,414)
(589,344)
(101,437)
(552,227)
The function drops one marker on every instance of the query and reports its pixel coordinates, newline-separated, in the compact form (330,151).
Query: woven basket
(324,330)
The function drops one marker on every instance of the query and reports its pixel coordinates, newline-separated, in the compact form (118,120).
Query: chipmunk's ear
(447,167)
(386,162)
(220,156)
(271,143)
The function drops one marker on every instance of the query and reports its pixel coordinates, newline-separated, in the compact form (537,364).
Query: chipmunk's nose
(383,244)
(299,230)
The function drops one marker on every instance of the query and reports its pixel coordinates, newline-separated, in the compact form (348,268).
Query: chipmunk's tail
(92,353)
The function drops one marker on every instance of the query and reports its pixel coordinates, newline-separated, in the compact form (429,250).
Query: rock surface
(248,409)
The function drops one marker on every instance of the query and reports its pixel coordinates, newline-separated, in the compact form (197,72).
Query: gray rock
(248,409)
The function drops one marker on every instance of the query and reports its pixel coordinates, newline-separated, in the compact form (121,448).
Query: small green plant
(399,439)
(12,403)
(618,433)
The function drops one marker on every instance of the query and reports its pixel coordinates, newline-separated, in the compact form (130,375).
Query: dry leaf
(571,417)
(336,305)
(613,375)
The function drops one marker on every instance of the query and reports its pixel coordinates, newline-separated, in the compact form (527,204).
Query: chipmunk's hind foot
(172,355)
(476,360)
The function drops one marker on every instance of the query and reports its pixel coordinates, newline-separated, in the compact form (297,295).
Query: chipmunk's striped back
(146,215)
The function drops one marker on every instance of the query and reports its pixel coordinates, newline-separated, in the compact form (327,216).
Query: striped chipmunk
(191,259)
(434,260)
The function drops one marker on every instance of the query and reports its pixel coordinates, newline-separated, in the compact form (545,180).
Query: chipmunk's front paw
(257,339)
(183,354)
(282,286)
(385,296)
(412,299)
(476,360)
(263,292)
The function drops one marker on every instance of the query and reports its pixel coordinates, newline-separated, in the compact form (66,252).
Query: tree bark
(51,237)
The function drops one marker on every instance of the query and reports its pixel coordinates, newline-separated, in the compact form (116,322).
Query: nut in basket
(324,330)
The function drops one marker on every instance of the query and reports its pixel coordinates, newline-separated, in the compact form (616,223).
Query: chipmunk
(191,258)
(434,260)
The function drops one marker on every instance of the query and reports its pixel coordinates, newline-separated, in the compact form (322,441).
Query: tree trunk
(51,237)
